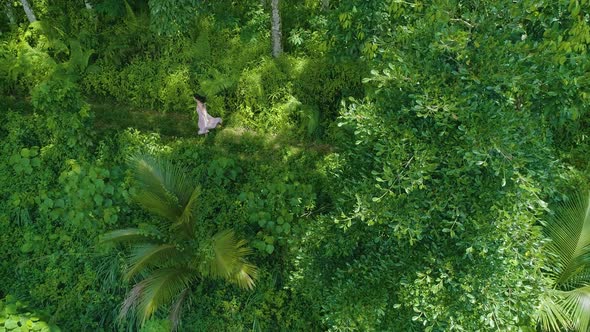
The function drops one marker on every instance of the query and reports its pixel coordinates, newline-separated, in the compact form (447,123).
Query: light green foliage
(23,66)
(15,316)
(144,84)
(56,96)
(156,325)
(176,91)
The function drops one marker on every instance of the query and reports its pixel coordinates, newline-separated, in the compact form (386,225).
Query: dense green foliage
(391,171)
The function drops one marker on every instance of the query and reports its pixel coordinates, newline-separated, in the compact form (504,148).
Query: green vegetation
(181,256)
(565,304)
(15,316)
(399,166)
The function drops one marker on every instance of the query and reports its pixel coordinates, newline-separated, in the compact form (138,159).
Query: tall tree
(29,11)
(277,47)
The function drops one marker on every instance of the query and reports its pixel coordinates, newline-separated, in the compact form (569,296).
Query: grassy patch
(109,117)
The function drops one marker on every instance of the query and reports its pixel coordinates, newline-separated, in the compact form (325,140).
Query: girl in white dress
(206,121)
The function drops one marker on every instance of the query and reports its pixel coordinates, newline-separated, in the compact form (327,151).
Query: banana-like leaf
(146,255)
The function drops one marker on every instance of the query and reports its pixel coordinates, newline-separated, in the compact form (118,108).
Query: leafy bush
(276,207)
(23,67)
(57,96)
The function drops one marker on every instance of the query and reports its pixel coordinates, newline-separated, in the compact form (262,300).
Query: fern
(219,83)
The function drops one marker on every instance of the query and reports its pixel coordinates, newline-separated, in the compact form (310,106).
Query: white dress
(206,121)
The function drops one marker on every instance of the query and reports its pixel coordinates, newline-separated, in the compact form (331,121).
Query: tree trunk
(277,48)
(10,13)
(28,11)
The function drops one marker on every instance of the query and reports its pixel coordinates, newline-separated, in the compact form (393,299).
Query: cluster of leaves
(277,209)
(16,316)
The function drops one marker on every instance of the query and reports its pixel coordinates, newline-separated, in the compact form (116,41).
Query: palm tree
(566,306)
(172,260)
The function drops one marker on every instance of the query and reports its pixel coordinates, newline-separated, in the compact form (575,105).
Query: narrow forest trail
(173,125)
(109,117)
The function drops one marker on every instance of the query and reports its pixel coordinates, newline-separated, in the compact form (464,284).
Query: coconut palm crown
(169,263)
(566,306)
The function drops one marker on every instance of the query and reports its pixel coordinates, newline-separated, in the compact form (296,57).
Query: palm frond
(552,315)
(176,181)
(127,235)
(159,288)
(153,195)
(169,176)
(229,261)
(145,255)
(163,206)
(567,305)
(176,309)
(569,232)
(187,213)
(164,189)
(577,304)
(580,278)
(129,305)
(245,276)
